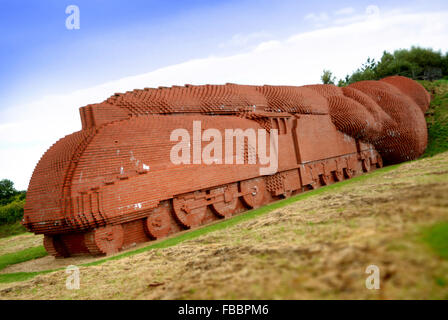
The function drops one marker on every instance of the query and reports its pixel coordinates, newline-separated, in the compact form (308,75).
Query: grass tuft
(436,237)
(19,276)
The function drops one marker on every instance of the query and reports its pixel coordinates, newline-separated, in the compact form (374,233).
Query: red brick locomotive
(112,184)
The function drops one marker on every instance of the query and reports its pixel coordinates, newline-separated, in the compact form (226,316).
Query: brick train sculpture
(112,185)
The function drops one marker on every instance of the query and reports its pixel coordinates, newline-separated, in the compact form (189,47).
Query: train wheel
(324,179)
(55,246)
(185,210)
(105,240)
(366,165)
(158,223)
(338,175)
(348,173)
(379,162)
(227,206)
(253,191)
(287,194)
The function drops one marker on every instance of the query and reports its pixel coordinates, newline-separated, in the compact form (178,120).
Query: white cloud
(27,131)
(344,11)
(242,40)
(317,19)
(371,12)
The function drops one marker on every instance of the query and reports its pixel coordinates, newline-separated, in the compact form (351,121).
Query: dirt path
(316,248)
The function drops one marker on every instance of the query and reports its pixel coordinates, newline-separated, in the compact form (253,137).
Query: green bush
(11,203)
(12,211)
(11,229)
(327,77)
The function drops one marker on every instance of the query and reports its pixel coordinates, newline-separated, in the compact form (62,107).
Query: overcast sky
(47,71)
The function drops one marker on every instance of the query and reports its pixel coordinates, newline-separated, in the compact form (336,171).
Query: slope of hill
(437,117)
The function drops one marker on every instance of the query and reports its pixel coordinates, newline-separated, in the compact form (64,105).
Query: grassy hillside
(318,247)
(437,117)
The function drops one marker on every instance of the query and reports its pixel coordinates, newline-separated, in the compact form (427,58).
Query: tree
(366,72)
(342,83)
(445,65)
(415,63)
(327,77)
(7,189)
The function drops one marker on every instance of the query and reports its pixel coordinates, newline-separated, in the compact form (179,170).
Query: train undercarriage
(202,207)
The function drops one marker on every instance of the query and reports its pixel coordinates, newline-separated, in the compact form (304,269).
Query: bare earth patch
(317,248)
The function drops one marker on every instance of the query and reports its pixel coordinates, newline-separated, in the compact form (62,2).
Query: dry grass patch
(20,242)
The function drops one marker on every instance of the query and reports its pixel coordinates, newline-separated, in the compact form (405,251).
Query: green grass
(22,256)
(441,281)
(21,276)
(437,117)
(13,229)
(436,237)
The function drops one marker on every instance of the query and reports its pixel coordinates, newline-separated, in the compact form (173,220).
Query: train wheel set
(188,211)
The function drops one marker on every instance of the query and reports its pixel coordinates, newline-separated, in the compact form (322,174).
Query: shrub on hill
(11,202)
(415,63)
